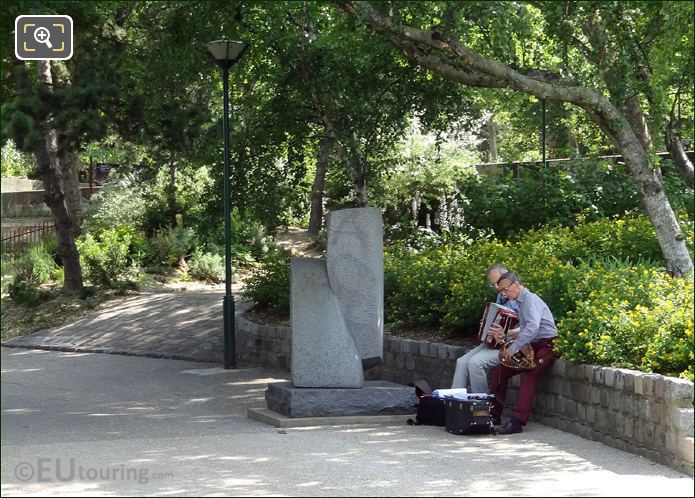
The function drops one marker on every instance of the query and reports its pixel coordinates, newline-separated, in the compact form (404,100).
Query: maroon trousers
(545,358)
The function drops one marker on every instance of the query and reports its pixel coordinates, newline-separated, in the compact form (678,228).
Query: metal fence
(17,238)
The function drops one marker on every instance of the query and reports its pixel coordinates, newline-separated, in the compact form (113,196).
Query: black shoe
(510,428)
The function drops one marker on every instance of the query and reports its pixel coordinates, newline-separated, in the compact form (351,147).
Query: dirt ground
(298,242)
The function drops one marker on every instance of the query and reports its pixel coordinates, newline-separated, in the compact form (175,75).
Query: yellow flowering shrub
(416,284)
(635,317)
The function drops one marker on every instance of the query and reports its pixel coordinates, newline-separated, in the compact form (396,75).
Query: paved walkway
(181,427)
(105,425)
(180,325)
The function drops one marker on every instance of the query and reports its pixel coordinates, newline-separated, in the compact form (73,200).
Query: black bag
(430,411)
(471,416)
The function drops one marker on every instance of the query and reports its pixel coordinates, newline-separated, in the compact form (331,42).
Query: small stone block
(375,398)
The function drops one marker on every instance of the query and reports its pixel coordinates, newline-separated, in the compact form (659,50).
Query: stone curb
(68,349)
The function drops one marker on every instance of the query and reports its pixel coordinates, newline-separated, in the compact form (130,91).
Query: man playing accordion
(537,330)
(472,368)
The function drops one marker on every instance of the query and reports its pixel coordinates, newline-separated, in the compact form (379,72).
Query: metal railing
(17,238)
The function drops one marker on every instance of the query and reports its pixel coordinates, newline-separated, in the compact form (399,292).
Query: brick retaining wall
(647,414)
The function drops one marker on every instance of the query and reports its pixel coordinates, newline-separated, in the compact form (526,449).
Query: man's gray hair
(497,266)
(511,277)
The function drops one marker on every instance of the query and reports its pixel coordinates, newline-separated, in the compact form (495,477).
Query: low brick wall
(262,345)
(647,414)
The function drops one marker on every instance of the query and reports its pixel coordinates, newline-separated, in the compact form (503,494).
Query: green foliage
(25,293)
(110,257)
(169,246)
(14,162)
(583,190)
(634,317)
(416,285)
(30,269)
(206,267)
(269,285)
(250,242)
(115,206)
(188,198)
(249,237)
(34,265)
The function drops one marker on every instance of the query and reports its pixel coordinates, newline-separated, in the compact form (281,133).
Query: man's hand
(506,354)
(497,332)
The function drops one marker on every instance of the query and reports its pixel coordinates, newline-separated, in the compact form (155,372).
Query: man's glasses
(504,289)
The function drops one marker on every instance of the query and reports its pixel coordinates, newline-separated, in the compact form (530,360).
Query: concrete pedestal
(377,397)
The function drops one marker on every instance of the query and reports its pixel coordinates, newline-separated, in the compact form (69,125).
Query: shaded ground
(180,325)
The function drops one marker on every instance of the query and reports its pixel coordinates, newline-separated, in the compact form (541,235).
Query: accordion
(524,359)
(496,314)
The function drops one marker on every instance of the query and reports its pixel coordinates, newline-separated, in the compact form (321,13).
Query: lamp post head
(226,52)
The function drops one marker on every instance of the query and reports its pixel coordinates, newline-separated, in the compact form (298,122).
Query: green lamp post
(226,54)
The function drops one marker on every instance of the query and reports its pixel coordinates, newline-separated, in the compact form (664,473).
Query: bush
(112,207)
(25,293)
(169,246)
(34,266)
(206,267)
(14,162)
(251,237)
(634,317)
(269,285)
(110,257)
(417,284)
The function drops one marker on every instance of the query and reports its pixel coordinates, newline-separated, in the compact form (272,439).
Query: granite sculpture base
(377,397)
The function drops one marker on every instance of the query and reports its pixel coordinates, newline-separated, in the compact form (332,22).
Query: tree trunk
(492,140)
(680,159)
(350,153)
(316,215)
(635,116)
(471,68)
(415,206)
(49,171)
(358,172)
(574,143)
(172,189)
(360,185)
(70,167)
(655,202)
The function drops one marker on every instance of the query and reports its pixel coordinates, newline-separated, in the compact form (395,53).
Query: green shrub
(635,317)
(58,274)
(34,265)
(169,246)
(7,276)
(109,257)
(251,237)
(206,267)
(115,206)
(269,285)
(416,284)
(14,162)
(25,293)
